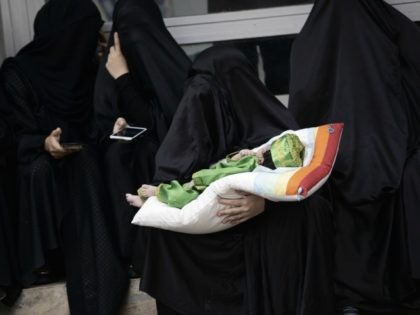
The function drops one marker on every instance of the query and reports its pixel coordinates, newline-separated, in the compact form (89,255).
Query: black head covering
(258,113)
(357,61)
(156,61)
(157,65)
(59,61)
(225,107)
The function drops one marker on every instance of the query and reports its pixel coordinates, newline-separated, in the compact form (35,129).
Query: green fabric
(287,151)
(223,168)
(176,195)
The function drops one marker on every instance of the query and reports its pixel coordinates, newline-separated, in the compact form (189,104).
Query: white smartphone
(128,133)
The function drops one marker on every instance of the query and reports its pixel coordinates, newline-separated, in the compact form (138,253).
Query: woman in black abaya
(275,263)
(63,202)
(9,271)
(144,93)
(358,62)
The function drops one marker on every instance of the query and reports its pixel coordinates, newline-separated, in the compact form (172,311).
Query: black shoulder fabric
(357,62)
(59,61)
(225,107)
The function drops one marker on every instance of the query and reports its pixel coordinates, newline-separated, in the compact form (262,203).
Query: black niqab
(147,96)
(58,62)
(357,62)
(157,63)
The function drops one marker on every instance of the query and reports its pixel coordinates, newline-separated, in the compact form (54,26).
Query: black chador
(63,202)
(358,62)
(277,263)
(147,97)
(9,266)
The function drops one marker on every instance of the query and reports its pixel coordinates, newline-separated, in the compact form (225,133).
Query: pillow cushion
(282,184)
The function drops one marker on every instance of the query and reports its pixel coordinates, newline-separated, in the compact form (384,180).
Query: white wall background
(191,7)
(17,22)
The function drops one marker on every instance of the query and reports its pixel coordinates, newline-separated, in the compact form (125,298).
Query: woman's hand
(120,123)
(240,210)
(53,147)
(116,64)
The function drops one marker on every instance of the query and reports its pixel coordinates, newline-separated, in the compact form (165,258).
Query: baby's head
(287,151)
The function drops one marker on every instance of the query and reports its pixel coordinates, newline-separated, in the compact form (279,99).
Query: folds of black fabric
(9,266)
(63,203)
(357,62)
(147,97)
(277,263)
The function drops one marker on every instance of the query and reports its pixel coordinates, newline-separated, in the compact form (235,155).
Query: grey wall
(1,41)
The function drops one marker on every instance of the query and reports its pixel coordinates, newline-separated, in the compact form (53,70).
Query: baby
(286,151)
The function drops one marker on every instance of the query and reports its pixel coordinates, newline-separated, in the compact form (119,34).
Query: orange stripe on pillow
(324,169)
(321,143)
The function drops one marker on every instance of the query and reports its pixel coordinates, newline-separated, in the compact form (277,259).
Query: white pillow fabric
(282,184)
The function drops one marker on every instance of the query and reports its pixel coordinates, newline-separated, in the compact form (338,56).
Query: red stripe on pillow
(326,147)
(324,168)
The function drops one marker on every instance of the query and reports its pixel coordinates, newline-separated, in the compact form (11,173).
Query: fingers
(112,52)
(231,202)
(242,193)
(241,210)
(116,63)
(117,44)
(120,123)
(230,212)
(56,133)
(233,218)
(57,151)
(236,222)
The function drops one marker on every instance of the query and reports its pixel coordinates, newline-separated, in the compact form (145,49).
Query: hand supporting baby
(240,210)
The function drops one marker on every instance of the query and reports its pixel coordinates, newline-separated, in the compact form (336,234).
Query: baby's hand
(242,153)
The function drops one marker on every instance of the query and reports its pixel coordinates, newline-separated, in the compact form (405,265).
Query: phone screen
(129,132)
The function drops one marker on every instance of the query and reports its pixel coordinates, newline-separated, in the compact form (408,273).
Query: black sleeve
(6,122)
(30,137)
(134,107)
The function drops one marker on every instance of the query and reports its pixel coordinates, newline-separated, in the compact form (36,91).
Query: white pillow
(282,184)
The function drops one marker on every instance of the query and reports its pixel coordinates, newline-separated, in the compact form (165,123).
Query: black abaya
(357,62)
(277,263)
(63,203)
(146,97)
(9,271)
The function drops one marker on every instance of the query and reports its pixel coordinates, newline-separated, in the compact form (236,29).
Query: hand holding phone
(128,133)
(53,146)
